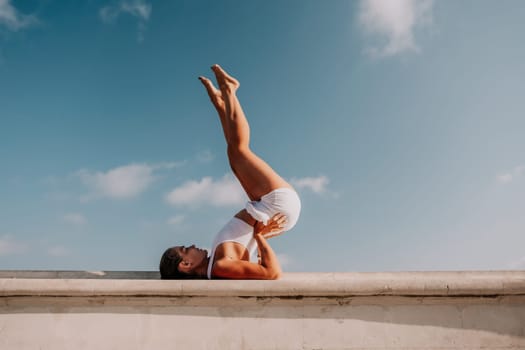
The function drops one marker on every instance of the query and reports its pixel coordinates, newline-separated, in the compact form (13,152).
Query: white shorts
(282,200)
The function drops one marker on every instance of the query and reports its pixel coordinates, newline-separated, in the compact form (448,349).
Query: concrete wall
(115,310)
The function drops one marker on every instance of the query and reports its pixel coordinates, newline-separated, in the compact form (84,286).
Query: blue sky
(399,122)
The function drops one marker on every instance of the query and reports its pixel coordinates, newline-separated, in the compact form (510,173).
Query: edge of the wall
(348,284)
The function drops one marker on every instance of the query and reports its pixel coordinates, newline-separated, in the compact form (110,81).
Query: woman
(274,206)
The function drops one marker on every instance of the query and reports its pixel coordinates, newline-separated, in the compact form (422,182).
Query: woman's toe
(224,78)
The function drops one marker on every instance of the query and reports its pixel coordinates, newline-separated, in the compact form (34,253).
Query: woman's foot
(224,80)
(214,94)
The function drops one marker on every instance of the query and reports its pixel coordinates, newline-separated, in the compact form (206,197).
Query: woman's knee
(237,151)
(238,155)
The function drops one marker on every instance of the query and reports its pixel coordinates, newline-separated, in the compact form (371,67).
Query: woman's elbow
(275,274)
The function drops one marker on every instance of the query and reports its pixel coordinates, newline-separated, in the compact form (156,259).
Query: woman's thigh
(255,175)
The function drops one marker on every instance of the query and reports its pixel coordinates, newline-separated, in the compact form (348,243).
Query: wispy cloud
(11,18)
(394,23)
(225,191)
(121,182)
(176,220)
(512,175)
(140,9)
(12,246)
(315,184)
(75,219)
(9,246)
(205,156)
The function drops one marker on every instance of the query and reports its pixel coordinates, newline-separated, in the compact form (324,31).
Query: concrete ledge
(389,310)
(147,284)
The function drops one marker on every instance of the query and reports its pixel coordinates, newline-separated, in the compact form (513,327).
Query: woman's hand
(273,228)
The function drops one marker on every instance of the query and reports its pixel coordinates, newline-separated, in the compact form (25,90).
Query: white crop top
(236,230)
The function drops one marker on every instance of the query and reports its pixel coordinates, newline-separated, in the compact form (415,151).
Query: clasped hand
(274,226)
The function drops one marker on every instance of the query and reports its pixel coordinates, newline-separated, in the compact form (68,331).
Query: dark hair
(169,266)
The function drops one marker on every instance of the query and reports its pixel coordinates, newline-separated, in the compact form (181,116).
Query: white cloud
(137,8)
(315,184)
(140,9)
(9,246)
(222,192)
(227,191)
(12,19)
(176,220)
(512,175)
(75,218)
(58,251)
(120,183)
(504,178)
(394,21)
(205,156)
(167,165)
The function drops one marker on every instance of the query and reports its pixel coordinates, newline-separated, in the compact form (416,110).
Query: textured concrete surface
(79,283)
(405,310)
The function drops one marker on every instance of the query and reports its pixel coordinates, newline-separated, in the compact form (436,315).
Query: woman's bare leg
(217,101)
(219,104)
(255,175)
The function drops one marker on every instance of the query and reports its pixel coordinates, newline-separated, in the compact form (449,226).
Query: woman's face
(191,257)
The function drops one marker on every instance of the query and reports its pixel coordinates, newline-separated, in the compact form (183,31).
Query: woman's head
(183,263)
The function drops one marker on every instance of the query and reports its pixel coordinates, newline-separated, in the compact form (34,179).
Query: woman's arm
(268,268)
(268,257)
